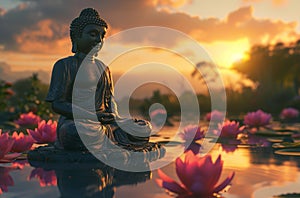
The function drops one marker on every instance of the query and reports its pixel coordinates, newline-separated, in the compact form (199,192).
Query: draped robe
(93,95)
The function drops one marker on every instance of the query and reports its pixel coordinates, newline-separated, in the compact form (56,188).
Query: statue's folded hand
(106,118)
(140,122)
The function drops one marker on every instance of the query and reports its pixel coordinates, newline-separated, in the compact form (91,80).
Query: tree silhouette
(274,67)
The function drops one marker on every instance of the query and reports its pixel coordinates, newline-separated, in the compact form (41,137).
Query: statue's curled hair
(86,17)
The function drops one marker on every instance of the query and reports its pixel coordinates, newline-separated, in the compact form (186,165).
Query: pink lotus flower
(9,92)
(192,133)
(22,142)
(8,84)
(5,179)
(215,116)
(46,178)
(6,144)
(8,158)
(45,133)
(199,176)
(28,119)
(230,129)
(257,119)
(289,113)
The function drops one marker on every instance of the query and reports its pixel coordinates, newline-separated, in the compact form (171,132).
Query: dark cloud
(27,17)
(48,21)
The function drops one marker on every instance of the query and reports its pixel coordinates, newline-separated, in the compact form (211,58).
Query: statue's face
(92,35)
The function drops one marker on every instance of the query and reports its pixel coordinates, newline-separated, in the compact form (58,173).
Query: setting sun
(226,53)
(237,57)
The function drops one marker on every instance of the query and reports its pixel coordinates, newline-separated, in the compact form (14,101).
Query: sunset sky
(34,33)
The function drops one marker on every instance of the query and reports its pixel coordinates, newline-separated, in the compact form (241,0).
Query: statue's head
(88,18)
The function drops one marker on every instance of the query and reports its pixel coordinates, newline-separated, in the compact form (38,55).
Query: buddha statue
(75,79)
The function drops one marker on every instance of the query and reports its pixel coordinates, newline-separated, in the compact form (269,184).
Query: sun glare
(227,53)
(238,57)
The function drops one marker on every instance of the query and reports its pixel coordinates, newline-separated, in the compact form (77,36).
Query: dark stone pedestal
(128,156)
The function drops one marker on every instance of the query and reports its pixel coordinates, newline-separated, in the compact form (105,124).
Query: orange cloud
(172,3)
(242,24)
(279,2)
(45,27)
(46,36)
(274,2)
(240,16)
(239,24)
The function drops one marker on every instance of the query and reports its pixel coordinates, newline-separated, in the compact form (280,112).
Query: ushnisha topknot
(87,16)
(89,12)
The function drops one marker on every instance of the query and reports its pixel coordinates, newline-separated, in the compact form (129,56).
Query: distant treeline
(274,68)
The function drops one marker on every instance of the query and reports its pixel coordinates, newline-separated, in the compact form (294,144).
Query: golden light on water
(239,159)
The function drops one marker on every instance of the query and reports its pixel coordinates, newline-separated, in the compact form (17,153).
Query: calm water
(259,173)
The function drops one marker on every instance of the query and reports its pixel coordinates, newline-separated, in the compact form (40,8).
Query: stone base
(49,157)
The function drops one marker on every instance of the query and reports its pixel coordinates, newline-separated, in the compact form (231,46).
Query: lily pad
(170,143)
(155,135)
(229,141)
(289,195)
(275,140)
(289,151)
(273,133)
(286,145)
(280,139)
(286,130)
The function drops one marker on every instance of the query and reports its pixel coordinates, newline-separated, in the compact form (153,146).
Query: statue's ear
(74,46)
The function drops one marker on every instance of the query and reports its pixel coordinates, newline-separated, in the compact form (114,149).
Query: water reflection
(45,177)
(20,164)
(96,181)
(230,146)
(278,189)
(266,156)
(259,170)
(86,180)
(259,173)
(5,179)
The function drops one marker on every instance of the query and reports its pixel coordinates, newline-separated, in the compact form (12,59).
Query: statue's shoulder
(101,64)
(66,60)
